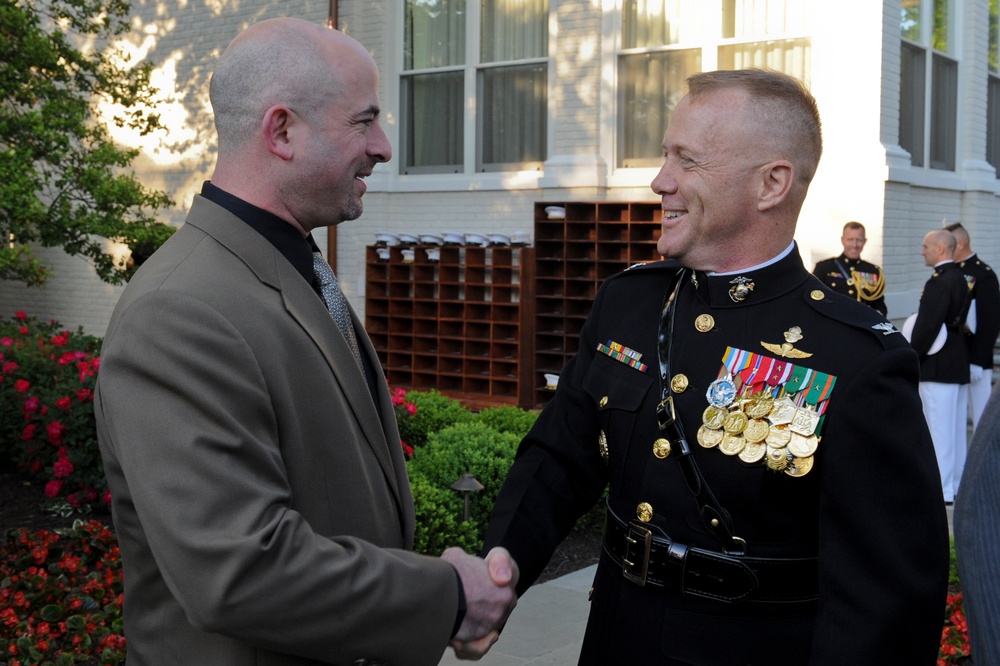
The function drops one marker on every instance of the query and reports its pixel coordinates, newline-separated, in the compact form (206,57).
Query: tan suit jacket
(262,507)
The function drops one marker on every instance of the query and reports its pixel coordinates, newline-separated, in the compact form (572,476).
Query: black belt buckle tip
(635,560)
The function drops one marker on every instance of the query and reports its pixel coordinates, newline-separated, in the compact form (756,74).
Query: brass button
(817,295)
(704,323)
(603,402)
(679,383)
(661,448)
(715,522)
(644,512)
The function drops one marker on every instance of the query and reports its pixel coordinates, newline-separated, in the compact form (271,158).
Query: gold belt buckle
(635,561)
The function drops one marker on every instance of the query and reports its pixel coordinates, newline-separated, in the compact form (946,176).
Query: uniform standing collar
(754,285)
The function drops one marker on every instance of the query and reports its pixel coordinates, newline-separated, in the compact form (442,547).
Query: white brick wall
(858,178)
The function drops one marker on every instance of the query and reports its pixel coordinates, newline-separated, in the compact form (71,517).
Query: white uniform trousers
(945,409)
(979,395)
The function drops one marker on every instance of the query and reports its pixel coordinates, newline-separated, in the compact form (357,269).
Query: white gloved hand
(975,373)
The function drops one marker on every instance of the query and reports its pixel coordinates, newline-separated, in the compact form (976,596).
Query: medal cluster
(774,417)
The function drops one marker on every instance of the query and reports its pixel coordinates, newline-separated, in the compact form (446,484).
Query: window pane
(648,23)
(993,124)
(651,85)
(911,102)
(513,117)
(432,121)
(909,21)
(434,33)
(994,24)
(941,23)
(514,30)
(791,56)
(944,112)
(753,18)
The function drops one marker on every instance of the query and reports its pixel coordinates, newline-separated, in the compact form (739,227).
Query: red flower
(29,432)
(6,342)
(55,431)
(62,468)
(83,395)
(9,368)
(106,497)
(22,385)
(31,406)
(407,449)
(411,408)
(52,488)
(23,330)
(20,315)
(60,340)
(64,403)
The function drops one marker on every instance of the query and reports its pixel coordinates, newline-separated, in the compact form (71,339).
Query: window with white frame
(928,83)
(474,85)
(993,89)
(665,41)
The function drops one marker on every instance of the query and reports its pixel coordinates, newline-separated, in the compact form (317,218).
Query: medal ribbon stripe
(631,360)
(820,388)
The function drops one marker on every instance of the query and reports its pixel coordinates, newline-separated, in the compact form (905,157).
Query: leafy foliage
(61,601)
(468,447)
(432,412)
(439,513)
(62,179)
(47,424)
(509,419)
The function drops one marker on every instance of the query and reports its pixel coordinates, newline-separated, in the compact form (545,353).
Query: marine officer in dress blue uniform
(851,275)
(773,496)
(944,373)
(983,320)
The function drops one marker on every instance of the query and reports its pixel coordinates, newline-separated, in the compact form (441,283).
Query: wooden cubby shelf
(457,325)
(573,256)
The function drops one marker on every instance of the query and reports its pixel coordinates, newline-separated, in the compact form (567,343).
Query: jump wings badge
(787,348)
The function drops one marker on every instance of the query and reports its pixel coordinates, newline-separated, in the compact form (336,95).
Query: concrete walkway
(545,628)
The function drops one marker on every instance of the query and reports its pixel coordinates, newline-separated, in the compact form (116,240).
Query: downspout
(332,22)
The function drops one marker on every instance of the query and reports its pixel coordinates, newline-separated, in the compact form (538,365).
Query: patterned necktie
(336,304)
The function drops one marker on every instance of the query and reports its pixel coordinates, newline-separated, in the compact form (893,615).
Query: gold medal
(714,417)
(805,422)
(756,431)
(800,466)
(709,438)
(803,447)
(778,437)
(783,411)
(759,405)
(735,422)
(753,452)
(777,459)
(732,444)
(679,383)
(661,448)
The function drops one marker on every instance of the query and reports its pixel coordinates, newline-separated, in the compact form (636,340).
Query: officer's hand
(489,596)
(975,372)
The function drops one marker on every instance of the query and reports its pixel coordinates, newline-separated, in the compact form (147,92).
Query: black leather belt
(647,558)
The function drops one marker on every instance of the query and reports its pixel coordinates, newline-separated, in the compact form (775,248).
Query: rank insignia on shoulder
(886,327)
(622,354)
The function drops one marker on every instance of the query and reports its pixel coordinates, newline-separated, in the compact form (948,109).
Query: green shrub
(434,412)
(47,423)
(510,419)
(470,447)
(439,513)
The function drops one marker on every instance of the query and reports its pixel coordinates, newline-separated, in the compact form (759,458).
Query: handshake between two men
(490,596)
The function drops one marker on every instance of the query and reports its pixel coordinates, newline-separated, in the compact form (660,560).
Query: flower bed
(61,596)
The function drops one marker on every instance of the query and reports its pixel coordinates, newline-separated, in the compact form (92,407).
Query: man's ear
(274,127)
(776,180)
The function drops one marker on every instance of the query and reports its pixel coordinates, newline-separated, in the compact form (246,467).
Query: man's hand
(489,596)
(975,372)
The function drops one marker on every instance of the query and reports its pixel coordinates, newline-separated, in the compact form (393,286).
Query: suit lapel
(302,303)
